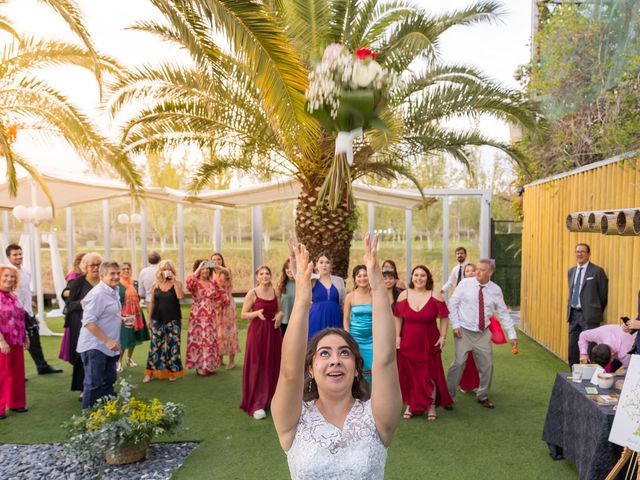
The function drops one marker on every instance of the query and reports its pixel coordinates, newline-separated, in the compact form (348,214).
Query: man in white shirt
(148,275)
(457,274)
(470,309)
(23,292)
(98,343)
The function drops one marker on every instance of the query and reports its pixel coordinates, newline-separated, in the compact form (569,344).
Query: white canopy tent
(69,189)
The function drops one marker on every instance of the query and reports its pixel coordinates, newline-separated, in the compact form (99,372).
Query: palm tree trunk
(325,231)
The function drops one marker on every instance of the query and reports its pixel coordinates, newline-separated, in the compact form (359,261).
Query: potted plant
(120,428)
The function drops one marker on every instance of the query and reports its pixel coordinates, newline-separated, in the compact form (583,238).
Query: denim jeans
(99,376)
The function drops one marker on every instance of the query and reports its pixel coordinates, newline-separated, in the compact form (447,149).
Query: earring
(310,385)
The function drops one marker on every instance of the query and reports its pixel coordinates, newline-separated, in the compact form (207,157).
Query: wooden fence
(548,247)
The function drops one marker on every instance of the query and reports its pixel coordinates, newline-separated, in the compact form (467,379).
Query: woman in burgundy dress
(264,345)
(422,379)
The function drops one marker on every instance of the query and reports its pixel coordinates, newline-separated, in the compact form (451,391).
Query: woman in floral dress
(227,334)
(208,301)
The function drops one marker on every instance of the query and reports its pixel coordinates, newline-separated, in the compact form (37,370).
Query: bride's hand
(303,275)
(371,261)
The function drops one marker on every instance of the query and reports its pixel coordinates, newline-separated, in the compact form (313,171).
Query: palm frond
(69,11)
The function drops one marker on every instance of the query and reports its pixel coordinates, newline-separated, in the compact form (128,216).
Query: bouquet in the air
(347,92)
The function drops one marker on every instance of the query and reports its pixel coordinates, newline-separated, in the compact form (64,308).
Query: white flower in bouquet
(367,74)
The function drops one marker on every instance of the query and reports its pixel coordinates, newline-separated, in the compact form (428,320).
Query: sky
(497,49)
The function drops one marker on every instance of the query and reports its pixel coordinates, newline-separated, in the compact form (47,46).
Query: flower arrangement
(346,94)
(114,425)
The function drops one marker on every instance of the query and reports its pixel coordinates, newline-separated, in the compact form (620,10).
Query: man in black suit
(588,293)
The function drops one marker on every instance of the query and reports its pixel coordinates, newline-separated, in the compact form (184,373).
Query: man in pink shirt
(619,342)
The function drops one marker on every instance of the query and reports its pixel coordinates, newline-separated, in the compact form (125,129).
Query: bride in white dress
(328,425)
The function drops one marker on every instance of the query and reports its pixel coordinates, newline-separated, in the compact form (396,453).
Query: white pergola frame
(253,196)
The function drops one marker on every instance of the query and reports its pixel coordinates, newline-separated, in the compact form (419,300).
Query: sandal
(407,415)
(146,379)
(432,416)
(131,363)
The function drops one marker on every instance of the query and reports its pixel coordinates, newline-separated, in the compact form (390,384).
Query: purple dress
(325,309)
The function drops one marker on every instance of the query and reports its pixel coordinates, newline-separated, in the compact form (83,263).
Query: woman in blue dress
(357,316)
(327,297)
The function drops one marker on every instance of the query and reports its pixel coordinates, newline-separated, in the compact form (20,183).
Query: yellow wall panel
(548,248)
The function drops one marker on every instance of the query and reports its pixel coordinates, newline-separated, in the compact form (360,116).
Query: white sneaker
(259,414)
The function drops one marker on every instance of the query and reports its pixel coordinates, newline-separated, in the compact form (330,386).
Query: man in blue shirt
(98,343)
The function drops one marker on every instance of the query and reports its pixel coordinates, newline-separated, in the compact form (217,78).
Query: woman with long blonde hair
(165,323)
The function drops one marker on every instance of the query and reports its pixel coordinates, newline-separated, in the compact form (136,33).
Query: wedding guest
(227,330)
(209,299)
(137,332)
(75,272)
(165,323)
(264,345)
(633,325)
(13,342)
(75,269)
(327,295)
(358,316)
(422,379)
(391,281)
(98,344)
(389,265)
(457,273)
(286,292)
(470,308)
(147,276)
(73,295)
(23,292)
(328,424)
(612,342)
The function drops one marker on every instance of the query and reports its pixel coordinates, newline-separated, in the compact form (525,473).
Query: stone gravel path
(48,461)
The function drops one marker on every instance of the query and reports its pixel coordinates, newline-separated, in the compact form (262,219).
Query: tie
(575,294)
(481,309)
(459,274)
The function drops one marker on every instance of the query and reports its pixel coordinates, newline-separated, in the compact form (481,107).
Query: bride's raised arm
(386,399)
(286,405)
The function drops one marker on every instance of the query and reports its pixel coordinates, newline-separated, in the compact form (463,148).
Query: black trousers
(577,325)
(35,348)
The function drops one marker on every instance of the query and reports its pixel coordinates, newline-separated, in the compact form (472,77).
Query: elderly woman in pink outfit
(13,342)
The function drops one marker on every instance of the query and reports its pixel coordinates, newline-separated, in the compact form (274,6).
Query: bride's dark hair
(360,387)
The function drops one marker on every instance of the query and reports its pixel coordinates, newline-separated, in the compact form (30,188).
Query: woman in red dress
(264,345)
(208,300)
(422,379)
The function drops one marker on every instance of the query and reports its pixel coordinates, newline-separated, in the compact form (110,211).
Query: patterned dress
(12,377)
(227,331)
(321,450)
(208,304)
(164,359)
(130,301)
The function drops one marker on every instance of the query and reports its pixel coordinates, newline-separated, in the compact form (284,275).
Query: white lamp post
(33,216)
(131,221)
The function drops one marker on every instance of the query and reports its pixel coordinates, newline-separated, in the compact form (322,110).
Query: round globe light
(123,219)
(136,218)
(39,213)
(32,213)
(20,212)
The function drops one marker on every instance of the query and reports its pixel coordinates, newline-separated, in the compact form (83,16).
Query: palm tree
(30,106)
(241,97)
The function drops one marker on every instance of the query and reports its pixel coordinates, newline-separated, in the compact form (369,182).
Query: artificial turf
(469,442)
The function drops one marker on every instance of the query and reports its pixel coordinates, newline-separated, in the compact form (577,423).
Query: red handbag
(497,335)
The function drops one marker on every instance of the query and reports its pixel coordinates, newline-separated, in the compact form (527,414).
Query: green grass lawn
(469,442)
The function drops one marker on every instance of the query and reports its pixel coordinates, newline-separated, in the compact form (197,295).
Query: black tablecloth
(577,429)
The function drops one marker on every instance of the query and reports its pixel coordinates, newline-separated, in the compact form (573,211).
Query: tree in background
(30,106)
(242,95)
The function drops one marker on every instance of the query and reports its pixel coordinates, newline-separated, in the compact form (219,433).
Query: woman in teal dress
(357,316)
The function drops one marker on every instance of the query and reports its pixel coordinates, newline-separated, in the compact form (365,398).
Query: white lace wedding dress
(321,450)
